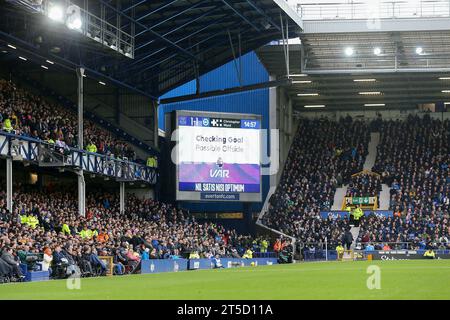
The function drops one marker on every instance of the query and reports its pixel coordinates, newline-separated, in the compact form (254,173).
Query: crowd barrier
(344,214)
(159,266)
(405,254)
(33,275)
(331,255)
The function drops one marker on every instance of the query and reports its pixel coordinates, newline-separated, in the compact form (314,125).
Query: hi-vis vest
(152,162)
(194,255)
(7,126)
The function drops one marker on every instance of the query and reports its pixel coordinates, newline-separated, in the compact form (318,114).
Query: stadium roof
(174,40)
(357,87)
(345,63)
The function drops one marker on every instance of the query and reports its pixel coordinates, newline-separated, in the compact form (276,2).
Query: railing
(320,252)
(380,245)
(29,149)
(265,255)
(374,10)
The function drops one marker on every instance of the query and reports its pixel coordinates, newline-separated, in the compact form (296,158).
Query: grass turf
(413,279)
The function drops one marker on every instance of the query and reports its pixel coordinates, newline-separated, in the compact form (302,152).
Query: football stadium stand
(143,137)
(412,159)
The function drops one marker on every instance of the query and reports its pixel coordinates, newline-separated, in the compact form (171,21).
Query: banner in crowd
(168,265)
(361,200)
(343,214)
(406,254)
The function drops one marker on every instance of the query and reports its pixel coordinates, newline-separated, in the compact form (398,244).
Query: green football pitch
(419,279)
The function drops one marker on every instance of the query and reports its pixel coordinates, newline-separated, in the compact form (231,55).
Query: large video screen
(218,156)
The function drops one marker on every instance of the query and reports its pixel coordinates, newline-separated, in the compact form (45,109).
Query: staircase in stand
(338,196)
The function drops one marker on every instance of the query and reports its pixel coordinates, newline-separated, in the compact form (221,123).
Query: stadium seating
(413,159)
(147,230)
(31,116)
(323,156)
(364,185)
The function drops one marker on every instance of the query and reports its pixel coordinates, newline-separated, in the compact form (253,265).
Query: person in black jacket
(347,239)
(8,257)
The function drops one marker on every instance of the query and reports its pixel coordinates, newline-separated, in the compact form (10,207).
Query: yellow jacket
(194,255)
(248,254)
(91,147)
(7,126)
(65,229)
(32,221)
(358,213)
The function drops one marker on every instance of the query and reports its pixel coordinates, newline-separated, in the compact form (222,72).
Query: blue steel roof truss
(172,37)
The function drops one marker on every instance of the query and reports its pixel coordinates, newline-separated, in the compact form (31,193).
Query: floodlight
(56,13)
(419,50)
(349,51)
(377,51)
(74,17)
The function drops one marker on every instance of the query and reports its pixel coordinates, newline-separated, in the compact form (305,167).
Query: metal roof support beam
(261,11)
(134,5)
(65,63)
(172,56)
(151,31)
(177,41)
(239,75)
(156,10)
(285,35)
(178,28)
(171,17)
(184,62)
(240,15)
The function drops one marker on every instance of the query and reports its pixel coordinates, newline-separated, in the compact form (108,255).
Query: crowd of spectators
(364,185)
(413,158)
(46,222)
(323,156)
(30,115)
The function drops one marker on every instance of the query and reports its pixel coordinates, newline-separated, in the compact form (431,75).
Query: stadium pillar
(122,197)
(80,74)
(248,219)
(81,181)
(9,186)
(155,124)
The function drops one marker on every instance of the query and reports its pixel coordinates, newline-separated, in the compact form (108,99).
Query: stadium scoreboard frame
(217,156)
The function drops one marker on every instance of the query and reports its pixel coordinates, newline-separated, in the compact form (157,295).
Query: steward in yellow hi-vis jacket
(429,254)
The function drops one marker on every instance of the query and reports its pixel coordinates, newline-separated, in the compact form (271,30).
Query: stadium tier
(45,229)
(212,149)
(30,115)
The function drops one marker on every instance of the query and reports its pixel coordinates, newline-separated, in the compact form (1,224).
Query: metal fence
(326,252)
(374,10)
(22,148)
(385,245)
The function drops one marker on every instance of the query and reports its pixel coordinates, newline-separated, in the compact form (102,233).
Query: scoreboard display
(218,156)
